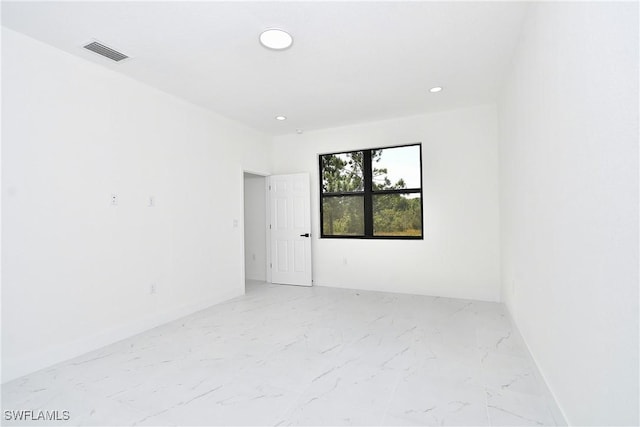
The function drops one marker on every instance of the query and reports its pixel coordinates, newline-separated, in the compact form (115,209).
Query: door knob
(304,235)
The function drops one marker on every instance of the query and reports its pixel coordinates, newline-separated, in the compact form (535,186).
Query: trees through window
(372,193)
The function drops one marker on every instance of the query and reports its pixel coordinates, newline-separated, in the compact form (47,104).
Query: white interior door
(290,229)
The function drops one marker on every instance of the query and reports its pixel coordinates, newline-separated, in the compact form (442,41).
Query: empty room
(320,213)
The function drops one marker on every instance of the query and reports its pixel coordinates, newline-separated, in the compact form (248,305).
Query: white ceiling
(350,62)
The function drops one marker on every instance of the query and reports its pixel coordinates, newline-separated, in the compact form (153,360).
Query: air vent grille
(106,51)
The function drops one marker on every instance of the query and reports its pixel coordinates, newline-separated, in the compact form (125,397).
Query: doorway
(255,229)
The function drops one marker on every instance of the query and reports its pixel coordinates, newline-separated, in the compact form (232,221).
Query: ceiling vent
(105,51)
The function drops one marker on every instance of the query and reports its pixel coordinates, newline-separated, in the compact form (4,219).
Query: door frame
(267,217)
(267,222)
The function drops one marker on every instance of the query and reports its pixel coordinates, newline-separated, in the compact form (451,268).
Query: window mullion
(368,192)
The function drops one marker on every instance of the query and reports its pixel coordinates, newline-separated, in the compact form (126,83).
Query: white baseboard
(13,368)
(557,412)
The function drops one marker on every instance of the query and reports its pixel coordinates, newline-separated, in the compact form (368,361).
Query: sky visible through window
(401,163)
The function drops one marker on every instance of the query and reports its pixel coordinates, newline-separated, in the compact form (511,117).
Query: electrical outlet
(152,201)
(114,200)
(153,289)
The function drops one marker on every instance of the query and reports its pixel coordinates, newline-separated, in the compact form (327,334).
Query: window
(374,193)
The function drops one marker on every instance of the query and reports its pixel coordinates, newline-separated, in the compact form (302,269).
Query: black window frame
(368,192)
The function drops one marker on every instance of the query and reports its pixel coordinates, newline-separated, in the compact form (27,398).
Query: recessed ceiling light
(276,39)
(435,89)
(299,131)
(281,118)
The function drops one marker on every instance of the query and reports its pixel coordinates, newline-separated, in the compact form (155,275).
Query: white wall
(255,245)
(459,256)
(569,204)
(76,271)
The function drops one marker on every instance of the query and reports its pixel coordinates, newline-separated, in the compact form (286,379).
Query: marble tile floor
(286,355)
